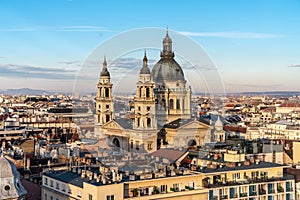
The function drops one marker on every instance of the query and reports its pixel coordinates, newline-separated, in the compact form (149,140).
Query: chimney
(98,178)
(246,163)
(113,175)
(216,156)
(83,173)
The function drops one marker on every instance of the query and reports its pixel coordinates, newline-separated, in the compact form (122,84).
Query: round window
(7,187)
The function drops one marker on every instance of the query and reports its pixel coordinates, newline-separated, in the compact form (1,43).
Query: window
(90,197)
(236,176)
(51,183)
(177,104)
(140,92)
(171,104)
(78,193)
(46,197)
(148,122)
(149,146)
(107,118)
(176,186)
(137,144)
(110,197)
(138,122)
(51,198)
(63,187)
(148,108)
(107,106)
(106,92)
(46,181)
(163,188)
(131,144)
(57,186)
(99,106)
(147,92)
(139,108)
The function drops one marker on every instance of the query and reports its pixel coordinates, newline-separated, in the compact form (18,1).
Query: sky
(254,44)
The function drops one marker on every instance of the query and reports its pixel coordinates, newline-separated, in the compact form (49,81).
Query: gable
(112,125)
(194,125)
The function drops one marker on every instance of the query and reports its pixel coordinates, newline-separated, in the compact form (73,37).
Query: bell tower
(104,100)
(144,104)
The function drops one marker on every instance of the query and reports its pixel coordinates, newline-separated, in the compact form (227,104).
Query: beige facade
(104,100)
(208,178)
(162,97)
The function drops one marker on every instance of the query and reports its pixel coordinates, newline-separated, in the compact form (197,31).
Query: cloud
(188,66)
(68,62)
(236,35)
(57,28)
(297,65)
(26,71)
(129,63)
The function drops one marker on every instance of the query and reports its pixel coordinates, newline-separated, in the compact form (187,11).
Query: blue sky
(254,44)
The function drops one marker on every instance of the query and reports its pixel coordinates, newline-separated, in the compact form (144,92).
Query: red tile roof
(171,154)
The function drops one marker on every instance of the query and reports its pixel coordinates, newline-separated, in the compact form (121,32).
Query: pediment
(194,125)
(112,125)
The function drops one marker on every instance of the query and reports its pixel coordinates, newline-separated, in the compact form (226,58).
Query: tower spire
(145,57)
(167,31)
(167,46)
(104,62)
(145,69)
(104,71)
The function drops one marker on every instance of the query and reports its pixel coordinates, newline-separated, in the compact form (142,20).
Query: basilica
(162,108)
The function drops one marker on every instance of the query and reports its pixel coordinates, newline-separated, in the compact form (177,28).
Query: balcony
(248,181)
(243,194)
(262,192)
(280,189)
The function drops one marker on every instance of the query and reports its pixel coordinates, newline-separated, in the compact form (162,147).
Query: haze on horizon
(253,44)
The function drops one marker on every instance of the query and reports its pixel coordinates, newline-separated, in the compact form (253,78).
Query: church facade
(162,108)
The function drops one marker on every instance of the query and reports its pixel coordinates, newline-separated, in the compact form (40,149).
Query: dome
(7,169)
(10,184)
(167,70)
(145,70)
(104,72)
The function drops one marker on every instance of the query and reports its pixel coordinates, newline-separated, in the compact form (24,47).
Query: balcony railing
(249,181)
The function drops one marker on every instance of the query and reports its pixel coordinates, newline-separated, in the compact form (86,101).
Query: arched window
(106,92)
(147,92)
(163,102)
(148,122)
(141,91)
(177,104)
(107,118)
(138,122)
(171,104)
